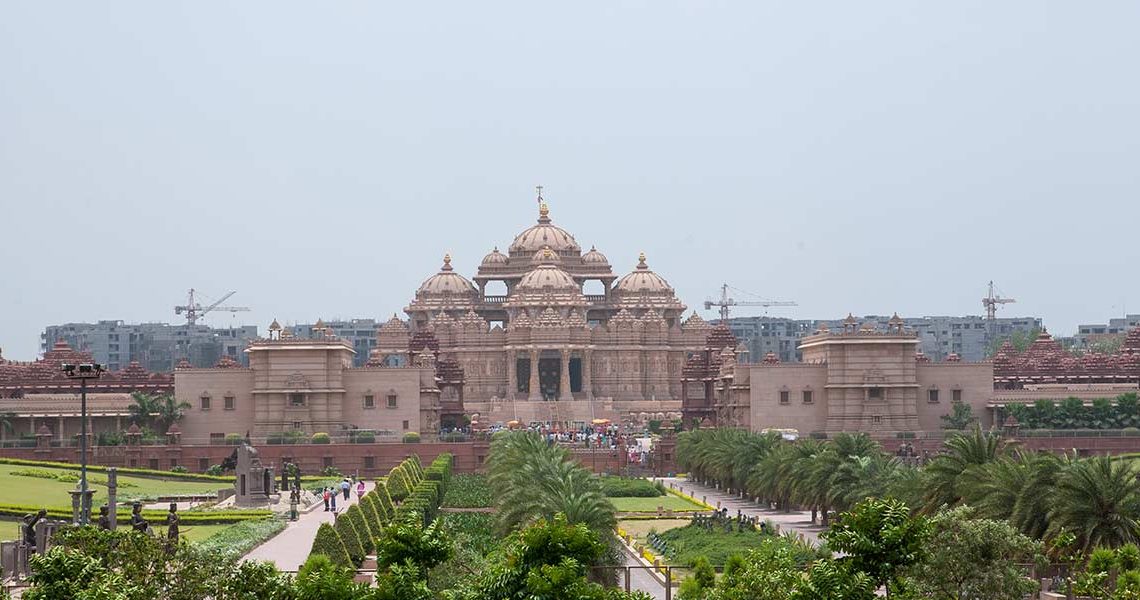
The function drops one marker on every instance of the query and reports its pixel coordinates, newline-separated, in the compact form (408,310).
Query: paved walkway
(290,548)
(796,520)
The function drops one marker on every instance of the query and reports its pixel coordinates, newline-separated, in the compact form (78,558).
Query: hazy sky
(320,158)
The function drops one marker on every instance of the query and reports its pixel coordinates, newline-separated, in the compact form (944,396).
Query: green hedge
(369,505)
(355,516)
(411,437)
(204,517)
(129,471)
(351,539)
(428,493)
(384,500)
(328,543)
(630,487)
(321,438)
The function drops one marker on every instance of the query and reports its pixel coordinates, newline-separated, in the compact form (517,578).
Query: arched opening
(594,287)
(495,288)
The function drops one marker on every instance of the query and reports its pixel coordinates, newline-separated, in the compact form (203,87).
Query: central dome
(542,235)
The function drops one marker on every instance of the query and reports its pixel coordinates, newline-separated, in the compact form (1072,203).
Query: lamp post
(83,372)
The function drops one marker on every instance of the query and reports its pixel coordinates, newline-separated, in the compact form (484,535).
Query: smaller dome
(495,258)
(447,281)
(643,280)
(546,256)
(547,276)
(595,258)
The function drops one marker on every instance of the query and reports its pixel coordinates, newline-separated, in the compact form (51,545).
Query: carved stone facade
(545,350)
(857,379)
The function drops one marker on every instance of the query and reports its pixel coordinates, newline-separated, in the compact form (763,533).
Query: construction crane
(195,311)
(992,301)
(725,302)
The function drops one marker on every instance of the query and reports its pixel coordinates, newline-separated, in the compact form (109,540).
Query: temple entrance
(575,375)
(549,377)
(522,366)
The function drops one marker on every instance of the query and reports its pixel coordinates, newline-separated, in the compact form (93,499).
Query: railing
(596,298)
(494,299)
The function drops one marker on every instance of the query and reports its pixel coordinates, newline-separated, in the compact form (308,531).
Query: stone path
(796,520)
(290,548)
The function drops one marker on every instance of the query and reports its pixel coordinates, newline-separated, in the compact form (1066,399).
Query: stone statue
(138,523)
(104,521)
(29,527)
(172,524)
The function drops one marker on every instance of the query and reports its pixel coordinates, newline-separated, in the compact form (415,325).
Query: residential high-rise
(157,347)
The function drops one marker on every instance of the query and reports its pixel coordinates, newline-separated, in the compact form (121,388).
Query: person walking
(326,495)
(359,490)
(332,498)
(345,486)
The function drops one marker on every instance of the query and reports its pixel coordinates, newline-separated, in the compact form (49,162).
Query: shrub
(331,471)
(328,543)
(453,436)
(215,470)
(365,533)
(179,469)
(371,507)
(236,541)
(351,540)
(1101,560)
(398,484)
(411,437)
(1128,557)
(627,487)
(234,439)
(384,500)
(321,438)
(364,437)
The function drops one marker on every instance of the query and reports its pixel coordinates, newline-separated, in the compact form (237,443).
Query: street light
(83,372)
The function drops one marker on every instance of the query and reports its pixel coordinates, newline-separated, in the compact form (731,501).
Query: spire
(446,262)
(641,262)
(543,208)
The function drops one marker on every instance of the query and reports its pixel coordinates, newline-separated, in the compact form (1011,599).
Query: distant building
(157,347)
(360,333)
(969,337)
(1115,328)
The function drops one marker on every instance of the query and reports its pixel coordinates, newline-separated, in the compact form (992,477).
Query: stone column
(112,496)
(564,381)
(535,393)
(512,374)
(587,385)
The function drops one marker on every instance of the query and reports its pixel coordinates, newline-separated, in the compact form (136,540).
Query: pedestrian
(332,499)
(360,490)
(345,486)
(326,495)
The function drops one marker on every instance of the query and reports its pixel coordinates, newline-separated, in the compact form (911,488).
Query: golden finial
(641,260)
(543,209)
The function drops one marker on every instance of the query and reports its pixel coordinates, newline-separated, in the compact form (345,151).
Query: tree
(879,538)
(973,558)
(1098,500)
(144,407)
(964,451)
(961,416)
(328,543)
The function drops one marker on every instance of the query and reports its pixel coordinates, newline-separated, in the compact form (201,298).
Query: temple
(544,350)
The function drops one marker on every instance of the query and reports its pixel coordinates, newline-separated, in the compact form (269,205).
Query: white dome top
(643,280)
(447,281)
(544,234)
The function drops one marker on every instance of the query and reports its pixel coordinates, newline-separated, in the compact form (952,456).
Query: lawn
(38,491)
(640,528)
(669,502)
(716,545)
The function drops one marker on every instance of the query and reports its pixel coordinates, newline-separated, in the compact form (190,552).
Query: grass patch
(468,491)
(639,529)
(235,541)
(650,504)
(689,542)
(38,487)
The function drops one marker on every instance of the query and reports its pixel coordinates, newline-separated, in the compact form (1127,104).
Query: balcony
(494,299)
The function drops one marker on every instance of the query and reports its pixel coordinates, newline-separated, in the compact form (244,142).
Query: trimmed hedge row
(353,535)
(205,517)
(134,472)
(428,493)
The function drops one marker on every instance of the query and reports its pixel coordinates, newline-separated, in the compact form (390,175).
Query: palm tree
(532,479)
(945,471)
(7,422)
(1097,500)
(143,409)
(169,412)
